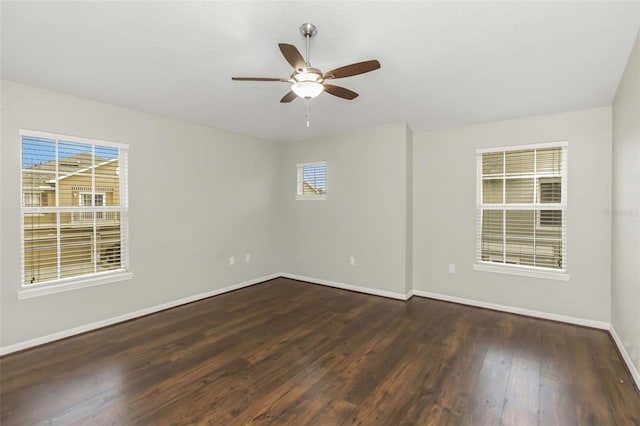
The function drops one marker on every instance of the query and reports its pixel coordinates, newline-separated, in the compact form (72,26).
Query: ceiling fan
(308,82)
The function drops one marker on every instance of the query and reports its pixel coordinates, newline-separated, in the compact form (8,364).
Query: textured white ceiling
(444,64)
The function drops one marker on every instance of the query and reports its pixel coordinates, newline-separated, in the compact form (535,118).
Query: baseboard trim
(625,356)
(513,310)
(343,286)
(383,293)
(126,317)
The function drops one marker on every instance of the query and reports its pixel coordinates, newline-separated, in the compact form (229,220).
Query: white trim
(125,317)
(74,283)
(69,138)
(635,374)
(523,147)
(343,286)
(313,163)
(503,308)
(513,310)
(311,197)
(523,271)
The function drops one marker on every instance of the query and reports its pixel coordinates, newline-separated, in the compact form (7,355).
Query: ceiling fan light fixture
(307,89)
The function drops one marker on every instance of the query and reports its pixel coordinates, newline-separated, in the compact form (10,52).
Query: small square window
(312,181)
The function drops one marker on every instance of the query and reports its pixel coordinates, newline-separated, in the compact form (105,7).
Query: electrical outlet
(452,268)
(352,260)
(232,260)
(247,257)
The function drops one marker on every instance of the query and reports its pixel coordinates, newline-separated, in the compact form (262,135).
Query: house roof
(70,166)
(444,64)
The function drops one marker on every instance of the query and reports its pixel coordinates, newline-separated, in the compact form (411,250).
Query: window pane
(38,188)
(549,160)
(108,243)
(107,174)
(314,180)
(492,231)
(550,218)
(492,164)
(549,255)
(492,191)
(38,154)
(519,162)
(75,169)
(76,249)
(519,191)
(40,253)
(550,190)
(520,237)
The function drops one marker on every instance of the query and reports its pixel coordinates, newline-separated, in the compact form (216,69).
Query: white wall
(444,217)
(625,250)
(390,193)
(198,196)
(364,216)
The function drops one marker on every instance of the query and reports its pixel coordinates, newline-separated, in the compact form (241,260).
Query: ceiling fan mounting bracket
(308,30)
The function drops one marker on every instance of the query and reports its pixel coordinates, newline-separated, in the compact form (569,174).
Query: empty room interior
(323,213)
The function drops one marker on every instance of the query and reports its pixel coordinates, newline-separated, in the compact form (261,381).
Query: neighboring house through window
(75,210)
(312,181)
(521,210)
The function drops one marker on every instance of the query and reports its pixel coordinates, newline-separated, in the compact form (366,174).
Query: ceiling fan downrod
(308,31)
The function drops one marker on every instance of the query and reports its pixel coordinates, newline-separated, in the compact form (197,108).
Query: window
(521,209)
(74,213)
(31,199)
(312,181)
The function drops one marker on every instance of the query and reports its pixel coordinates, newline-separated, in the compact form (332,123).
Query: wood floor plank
(287,352)
(522,396)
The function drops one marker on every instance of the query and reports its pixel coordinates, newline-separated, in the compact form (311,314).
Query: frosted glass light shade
(307,89)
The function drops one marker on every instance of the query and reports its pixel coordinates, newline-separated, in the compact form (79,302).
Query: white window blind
(312,181)
(522,206)
(74,211)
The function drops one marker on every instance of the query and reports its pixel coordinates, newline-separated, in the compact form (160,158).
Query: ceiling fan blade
(340,92)
(293,56)
(258,79)
(353,69)
(288,97)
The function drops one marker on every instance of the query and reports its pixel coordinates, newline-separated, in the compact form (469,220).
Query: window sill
(522,270)
(311,197)
(72,284)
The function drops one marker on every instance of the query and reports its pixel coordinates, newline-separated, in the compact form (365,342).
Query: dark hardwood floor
(286,352)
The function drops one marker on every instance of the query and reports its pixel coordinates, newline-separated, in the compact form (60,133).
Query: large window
(312,181)
(521,208)
(74,210)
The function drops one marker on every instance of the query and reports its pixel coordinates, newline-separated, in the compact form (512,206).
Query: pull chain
(307,113)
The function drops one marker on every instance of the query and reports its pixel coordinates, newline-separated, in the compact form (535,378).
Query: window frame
(300,178)
(86,280)
(514,269)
